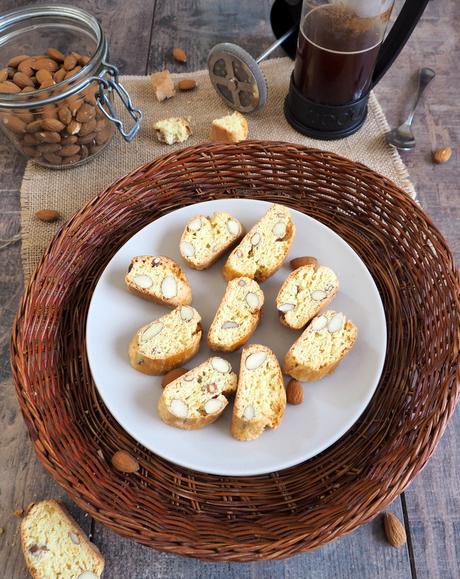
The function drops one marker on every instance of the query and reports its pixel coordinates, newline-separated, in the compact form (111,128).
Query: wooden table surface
(141,36)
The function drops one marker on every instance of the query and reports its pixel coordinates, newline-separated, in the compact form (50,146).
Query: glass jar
(71,116)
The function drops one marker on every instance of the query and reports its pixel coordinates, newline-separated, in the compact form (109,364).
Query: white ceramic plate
(331,405)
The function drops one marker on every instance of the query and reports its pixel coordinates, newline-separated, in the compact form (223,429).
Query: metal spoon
(402,137)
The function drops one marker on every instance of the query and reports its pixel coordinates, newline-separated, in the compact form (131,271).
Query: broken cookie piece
(173,130)
(163,86)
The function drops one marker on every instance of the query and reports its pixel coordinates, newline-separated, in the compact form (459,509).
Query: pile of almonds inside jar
(59,134)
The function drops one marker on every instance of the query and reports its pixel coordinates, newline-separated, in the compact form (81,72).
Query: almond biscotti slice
(304,292)
(205,239)
(263,249)
(238,315)
(261,397)
(167,342)
(158,279)
(55,546)
(198,397)
(320,348)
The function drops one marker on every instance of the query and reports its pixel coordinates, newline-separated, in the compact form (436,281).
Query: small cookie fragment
(264,248)
(55,546)
(229,129)
(304,292)
(321,347)
(198,397)
(237,316)
(167,342)
(173,130)
(205,239)
(261,397)
(158,279)
(163,86)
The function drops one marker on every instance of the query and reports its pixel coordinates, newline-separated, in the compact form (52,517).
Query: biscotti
(237,316)
(198,397)
(167,342)
(173,130)
(55,546)
(304,293)
(263,249)
(205,239)
(163,85)
(261,397)
(158,279)
(229,129)
(321,347)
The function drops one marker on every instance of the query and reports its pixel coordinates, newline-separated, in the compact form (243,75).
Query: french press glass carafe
(340,55)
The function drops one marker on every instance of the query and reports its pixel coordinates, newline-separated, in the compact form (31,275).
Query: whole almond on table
(48,215)
(394,530)
(294,392)
(179,55)
(305,260)
(186,84)
(172,375)
(124,462)
(442,155)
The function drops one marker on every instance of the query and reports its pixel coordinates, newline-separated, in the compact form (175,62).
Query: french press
(340,55)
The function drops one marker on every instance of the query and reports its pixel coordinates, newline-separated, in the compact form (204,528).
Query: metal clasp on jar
(111,85)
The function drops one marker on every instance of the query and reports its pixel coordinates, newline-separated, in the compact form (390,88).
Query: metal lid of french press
(237,78)
(236,75)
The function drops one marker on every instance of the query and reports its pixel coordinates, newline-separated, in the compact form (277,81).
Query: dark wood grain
(363,554)
(128,26)
(142,35)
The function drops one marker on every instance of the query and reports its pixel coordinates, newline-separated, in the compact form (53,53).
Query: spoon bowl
(402,137)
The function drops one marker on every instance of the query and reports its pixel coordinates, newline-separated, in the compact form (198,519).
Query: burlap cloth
(67,190)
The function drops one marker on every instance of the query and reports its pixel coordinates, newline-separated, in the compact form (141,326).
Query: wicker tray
(270,516)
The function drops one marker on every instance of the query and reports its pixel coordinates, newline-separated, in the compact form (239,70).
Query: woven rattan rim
(268,516)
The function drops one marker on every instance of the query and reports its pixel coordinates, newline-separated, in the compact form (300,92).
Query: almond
(186,84)
(16,60)
(305,260)
(48,215)
(294,392)
(124,462)
(442,155)
(44,63)
(55,54)
(8,86)
(179,55)
(394,530)
(22,80)
(172,375)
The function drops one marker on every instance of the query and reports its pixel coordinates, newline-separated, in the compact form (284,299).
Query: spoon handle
(426,75)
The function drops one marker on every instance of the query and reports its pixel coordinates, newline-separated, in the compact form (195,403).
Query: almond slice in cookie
(205,239)
(263,249)
(167,342)
(321,347)
(237,316)
(304,293)
(261,397)
(198,397)
(158,279)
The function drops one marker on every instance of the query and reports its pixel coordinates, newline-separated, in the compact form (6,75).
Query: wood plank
(22,479)
(199,25)
(433,499)
(364,554)
(126,24)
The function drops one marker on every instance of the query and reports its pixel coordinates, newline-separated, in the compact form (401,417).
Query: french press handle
(399,34)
